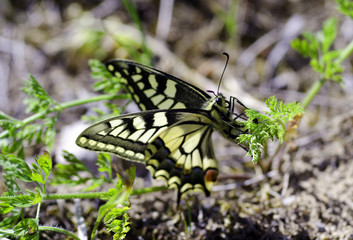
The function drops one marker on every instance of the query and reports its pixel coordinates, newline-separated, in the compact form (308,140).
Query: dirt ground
(307,194)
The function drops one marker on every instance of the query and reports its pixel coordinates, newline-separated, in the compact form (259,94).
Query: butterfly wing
(126,136)
(153,89)
(183,155)
(174,144)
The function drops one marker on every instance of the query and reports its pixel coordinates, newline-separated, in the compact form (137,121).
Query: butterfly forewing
(153,89)
(126,136)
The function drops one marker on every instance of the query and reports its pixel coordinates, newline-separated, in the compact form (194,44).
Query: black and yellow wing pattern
(172,134)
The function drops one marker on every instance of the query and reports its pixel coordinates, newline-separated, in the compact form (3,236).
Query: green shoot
(27,228)
(146,55)
(71,173)
(17,132)
(107,83)
(229,19)
(16,170)
(346,7)
(40,128)
(110,85)
(318,48)
(37,99)
(271,125)
(325,60)
(119,227)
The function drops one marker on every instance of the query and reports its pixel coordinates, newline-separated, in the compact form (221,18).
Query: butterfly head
(218,106)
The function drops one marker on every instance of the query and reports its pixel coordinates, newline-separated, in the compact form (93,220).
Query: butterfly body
(172,134)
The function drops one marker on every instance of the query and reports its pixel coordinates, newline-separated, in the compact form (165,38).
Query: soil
(306,193)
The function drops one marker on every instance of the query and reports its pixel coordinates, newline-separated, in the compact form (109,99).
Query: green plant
(130,44)
(229,19)
(40,128)
(282,121)
(346,7)
(324,59)
(18,134)
(271,125)
(15,199)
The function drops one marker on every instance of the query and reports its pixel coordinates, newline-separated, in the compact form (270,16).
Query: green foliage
(229,19)
(37,98)
(145,55)
(271,125)
(120,227)
(39,101)
(16,170)
(76,172)
(12,218)
(110,85)
(42,169)
(318,48)
(346,7)
(39,128)
(104,162)
(17,133)
(119,197)
(324,58)
(70,173)
(5,208)
(107,83)
(27,228)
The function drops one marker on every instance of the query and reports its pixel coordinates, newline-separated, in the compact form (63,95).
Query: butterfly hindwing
(153,89)
(174,144)
(183,155)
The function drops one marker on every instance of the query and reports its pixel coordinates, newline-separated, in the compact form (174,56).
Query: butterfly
(172,133)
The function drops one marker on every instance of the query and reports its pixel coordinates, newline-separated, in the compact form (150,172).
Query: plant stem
(312,93)
(4,115)
(59,230)
(345,53)
(63,106)
(76,195)
(59,108)
(118,198)
(38,212)
(91,194)
(148,190)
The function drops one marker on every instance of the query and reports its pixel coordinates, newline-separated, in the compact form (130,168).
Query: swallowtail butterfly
(172,134)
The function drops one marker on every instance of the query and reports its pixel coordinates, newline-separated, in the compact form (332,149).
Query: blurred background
(54,40)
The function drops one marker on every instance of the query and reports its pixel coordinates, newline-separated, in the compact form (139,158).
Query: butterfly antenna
(220,80)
